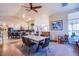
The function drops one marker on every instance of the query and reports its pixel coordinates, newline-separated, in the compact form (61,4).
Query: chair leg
(29,52)
(23,45)
(47,50)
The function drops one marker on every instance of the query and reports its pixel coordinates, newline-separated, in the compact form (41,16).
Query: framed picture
(57,25)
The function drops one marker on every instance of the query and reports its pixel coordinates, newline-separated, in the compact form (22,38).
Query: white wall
(55,17)
(61,16)
(42,21)
(73,15)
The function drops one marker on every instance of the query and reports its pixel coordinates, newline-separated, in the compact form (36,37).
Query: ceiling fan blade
(25,7)
(28,9)
(30,5)
(35,10)
(37,7)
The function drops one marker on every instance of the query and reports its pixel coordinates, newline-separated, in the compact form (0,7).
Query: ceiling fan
(64,4)
(32,7)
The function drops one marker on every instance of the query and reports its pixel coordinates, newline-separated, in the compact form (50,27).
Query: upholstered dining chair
(24,41)
(29,44)
(45,44)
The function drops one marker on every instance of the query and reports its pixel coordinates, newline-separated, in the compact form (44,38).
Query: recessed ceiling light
(23,16)
(4,24)
(30,18)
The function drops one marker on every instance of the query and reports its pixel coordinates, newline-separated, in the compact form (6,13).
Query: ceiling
(12,9)
(9,9)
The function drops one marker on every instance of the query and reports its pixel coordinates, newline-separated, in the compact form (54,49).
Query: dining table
(36,39)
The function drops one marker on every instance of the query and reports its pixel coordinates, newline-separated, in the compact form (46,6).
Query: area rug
(53,49)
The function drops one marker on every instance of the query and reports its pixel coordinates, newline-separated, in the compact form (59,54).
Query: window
(73,26)
(73,23)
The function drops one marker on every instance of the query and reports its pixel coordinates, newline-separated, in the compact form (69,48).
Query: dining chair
(17,35)
(77,43)
(23,40)
(28,43)
(45,44)
(66,38)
